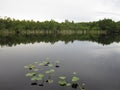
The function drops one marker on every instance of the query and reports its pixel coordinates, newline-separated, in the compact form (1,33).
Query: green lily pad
(68,84)
(30,66)
(47,72)
(41,75)
(46,62)
(26,67)
(62,77)
(36,62)
(62,83)
(41,64)
(30,74)
(50,81)
(52,70)
(50,65)
(75,79)
(35,70)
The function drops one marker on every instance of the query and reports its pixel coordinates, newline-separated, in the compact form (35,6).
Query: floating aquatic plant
(35,78)
(82,87)
(49,72)
(41,64)
(30,74)
(42,72)
(62,77)
(36,62)
(41,75)
(62,81)
(30,67)
(36,70)
(75,79)
(50,65)
(46,63)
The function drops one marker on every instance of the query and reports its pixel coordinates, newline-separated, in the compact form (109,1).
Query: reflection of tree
(14,39)
(106,39)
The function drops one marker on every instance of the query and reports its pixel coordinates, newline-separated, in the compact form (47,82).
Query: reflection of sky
(98,65)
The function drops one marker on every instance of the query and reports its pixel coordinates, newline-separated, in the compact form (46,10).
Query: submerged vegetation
(43,72)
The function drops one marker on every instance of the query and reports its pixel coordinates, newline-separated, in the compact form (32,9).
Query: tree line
(10,24)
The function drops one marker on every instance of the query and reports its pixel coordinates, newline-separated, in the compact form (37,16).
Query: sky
(59,10)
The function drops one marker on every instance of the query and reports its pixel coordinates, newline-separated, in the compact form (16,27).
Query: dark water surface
(98,65)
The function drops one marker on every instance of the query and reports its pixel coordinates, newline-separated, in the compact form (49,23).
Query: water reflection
(98,65)
(14,39)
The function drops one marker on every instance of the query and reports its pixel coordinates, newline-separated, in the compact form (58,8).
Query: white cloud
(77,10)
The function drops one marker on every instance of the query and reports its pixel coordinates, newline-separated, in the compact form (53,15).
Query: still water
(98,65)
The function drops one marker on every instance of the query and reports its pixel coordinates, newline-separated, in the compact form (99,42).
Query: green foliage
(107,24)
(55,27)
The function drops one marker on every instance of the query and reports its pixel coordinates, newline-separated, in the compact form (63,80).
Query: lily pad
(35,70)
(31,66)
(68,84)
(41,64)
(50,65)
(26,67)
(47,72)
(52,70)
(50,81)
(41,75)
(30,74)
(62,77)
(75,79)
(62,83)
(36,62)
(46,62)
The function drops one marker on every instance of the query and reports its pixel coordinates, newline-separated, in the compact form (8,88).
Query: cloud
(77,10)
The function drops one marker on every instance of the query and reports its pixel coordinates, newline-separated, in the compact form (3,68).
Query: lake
(97,64)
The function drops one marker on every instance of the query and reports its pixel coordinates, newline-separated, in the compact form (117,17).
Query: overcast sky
(59,10)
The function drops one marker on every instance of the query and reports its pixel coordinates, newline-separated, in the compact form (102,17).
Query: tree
(107,24)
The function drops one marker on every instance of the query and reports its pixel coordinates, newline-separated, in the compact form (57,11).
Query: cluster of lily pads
(42,72)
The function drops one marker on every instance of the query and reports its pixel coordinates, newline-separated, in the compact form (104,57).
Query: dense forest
(18,26)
